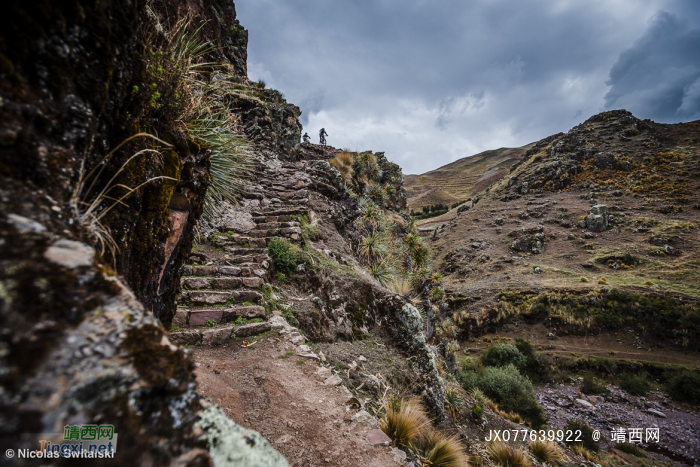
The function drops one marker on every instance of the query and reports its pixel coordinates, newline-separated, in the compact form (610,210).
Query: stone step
(276,225)
(247,330)
(220,296)
(267,219)
(285,232)
(201,316)
(280,211)
(243,251)
(194,270)
(279,203)
(243,240)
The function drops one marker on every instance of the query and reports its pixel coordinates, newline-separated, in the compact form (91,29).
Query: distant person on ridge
(322,136)
(306,137)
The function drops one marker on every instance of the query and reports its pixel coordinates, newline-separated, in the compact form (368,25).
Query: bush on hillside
(509,389)
(685,387)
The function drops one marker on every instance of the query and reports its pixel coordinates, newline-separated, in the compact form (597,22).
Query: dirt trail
(282,398)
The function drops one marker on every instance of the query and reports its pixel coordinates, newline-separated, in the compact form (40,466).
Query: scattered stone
(362,421)
(656,413)
(284,439)
(595,399)
(70,254)
(323,373)
(25,225)
(399,455)
(377,437)
(537,270)
(333,380)
(584,403)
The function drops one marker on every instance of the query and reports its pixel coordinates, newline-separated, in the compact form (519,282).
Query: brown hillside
(529,235)
(460,180)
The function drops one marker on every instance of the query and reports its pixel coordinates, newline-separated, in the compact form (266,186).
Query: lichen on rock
(232,445)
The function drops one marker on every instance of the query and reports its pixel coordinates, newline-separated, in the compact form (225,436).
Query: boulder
(598,218)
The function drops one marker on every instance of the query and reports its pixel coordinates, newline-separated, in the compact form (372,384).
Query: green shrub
(505,385)
(685,387)
(284,255)
(630,448)
(637,385)
(591,386)
(586,435)
(477,411)
(210,323)
(502,355)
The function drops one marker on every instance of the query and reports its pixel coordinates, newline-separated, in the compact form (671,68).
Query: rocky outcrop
(82,294)
(598,219)
(528,240)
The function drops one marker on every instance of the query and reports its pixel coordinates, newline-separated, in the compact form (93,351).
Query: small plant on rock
(210,323)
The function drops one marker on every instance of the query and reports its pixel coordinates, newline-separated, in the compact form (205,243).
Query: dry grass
(342,162)
(507,456)
(583,452)
(91,209)
(404,421)
(547,451)
(440,450)
(400,285)
(512,416)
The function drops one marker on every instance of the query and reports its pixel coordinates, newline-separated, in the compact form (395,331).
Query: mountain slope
(460,180)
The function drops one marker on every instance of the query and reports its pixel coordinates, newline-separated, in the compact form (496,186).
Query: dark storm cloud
(429,82)
(659,75)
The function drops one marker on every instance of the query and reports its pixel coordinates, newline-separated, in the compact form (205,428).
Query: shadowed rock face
(79,342)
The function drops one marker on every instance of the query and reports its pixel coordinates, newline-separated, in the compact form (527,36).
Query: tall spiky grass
(205,117)
(229,158)
(439,450)
(381,271)
(372,248)
(90,208)
(506,455)
(404,421)
(547,451)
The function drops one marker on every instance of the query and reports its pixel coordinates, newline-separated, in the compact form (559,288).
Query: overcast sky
(432,81)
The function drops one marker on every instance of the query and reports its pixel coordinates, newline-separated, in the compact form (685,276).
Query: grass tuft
(547,451)
(439,450)
(404,421)
(506,455)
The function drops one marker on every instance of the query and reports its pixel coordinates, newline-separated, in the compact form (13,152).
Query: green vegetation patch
(654,315)
(506,386)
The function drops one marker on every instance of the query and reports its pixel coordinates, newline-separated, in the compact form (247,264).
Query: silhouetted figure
(306,137)
(322,136)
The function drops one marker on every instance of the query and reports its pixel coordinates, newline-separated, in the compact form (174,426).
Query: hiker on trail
(306,137)
(322,136)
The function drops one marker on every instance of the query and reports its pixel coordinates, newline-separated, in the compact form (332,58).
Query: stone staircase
(225,281)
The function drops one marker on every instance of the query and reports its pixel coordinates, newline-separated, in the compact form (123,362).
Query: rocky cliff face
(96,217)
